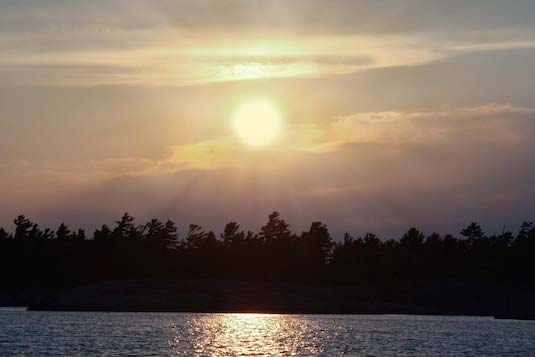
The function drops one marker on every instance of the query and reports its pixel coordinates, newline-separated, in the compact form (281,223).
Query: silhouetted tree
(4,235)
(525,229)
(37,233)
(314,247)
(164,236)
(232,234)
(155,230)
(371,241)
(473,231)
(153,250)
(102,234)
(195,237)
(63,233)
(413,239)
(171,235)
(434,241)
(79,235)
(275,229)
(23,227)
(126,228)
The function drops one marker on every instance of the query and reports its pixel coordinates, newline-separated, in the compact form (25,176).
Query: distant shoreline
(222,296)
(89,309)
(269,312)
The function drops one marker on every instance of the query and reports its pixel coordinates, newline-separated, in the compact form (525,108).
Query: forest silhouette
(31,256)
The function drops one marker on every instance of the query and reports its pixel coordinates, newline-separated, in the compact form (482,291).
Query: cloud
(190,43)
(176,59)
(479,124)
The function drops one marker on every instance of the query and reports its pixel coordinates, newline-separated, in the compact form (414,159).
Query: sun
(257,122)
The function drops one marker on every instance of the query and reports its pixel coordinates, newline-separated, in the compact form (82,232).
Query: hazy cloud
(389,170)
(195,42)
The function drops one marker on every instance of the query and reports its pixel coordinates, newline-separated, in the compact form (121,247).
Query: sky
(394,114)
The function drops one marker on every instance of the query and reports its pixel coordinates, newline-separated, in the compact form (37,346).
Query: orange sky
(392,115)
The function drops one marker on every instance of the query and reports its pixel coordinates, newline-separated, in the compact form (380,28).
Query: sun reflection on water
(241,334)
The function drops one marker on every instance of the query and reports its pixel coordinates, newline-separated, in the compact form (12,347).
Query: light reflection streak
(244,334)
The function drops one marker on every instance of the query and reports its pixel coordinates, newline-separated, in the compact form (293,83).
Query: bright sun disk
(257,122)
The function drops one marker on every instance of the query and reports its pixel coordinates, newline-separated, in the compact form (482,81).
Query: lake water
(89,333)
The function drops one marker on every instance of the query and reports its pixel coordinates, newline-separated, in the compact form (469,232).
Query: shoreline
(267,312)
(229,296)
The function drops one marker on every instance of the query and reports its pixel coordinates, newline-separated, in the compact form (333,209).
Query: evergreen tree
(275,229)
(473,231)
(232,234)
(4,235)
(102,234)
(63,233)
(23,227)
(412,239)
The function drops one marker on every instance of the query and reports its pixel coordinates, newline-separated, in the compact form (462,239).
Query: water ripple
(185,334)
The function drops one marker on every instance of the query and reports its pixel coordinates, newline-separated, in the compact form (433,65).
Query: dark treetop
(43,258)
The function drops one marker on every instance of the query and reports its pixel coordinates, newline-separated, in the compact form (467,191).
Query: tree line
(34,257)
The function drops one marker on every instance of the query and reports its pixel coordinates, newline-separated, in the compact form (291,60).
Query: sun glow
(257,122)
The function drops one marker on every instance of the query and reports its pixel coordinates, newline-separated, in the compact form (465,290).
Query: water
(89,333)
